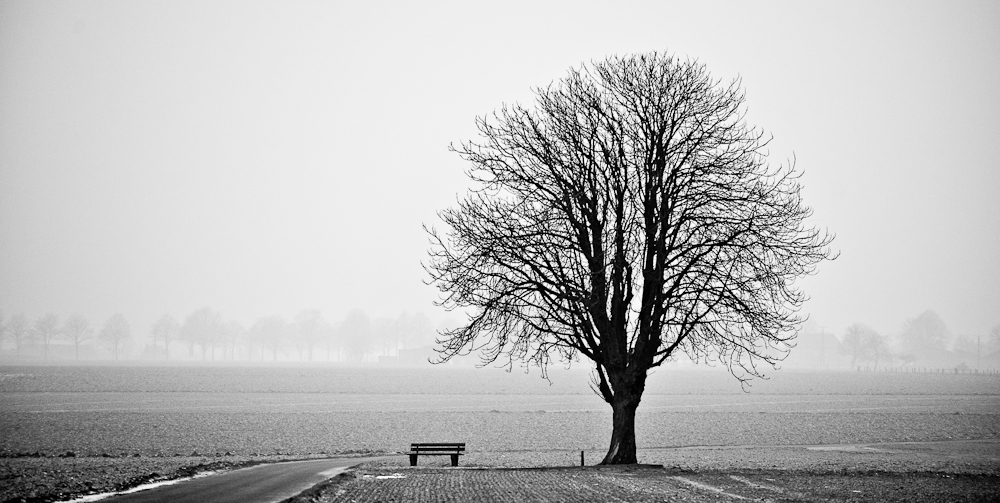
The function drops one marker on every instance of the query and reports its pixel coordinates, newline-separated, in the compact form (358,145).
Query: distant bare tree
(925,336)
(116,334)
(45,330)
(994,339)
(853,344)
(356,332)
(271,332)
(417,331)
(166,329)
(233,333)
(864,344)
(18,331)
(77,330)
(879,345)
(629,217)
(328,338)
(202,327)
(386,332)
(308,331)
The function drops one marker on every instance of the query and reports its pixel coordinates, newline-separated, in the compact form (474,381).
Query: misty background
(263,160)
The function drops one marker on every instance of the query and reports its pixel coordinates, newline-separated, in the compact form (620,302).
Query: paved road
(257,484)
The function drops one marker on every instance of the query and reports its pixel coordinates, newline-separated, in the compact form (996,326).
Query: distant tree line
(923,340)
(206,335)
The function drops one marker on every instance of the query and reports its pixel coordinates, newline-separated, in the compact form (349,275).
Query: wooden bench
(436,449)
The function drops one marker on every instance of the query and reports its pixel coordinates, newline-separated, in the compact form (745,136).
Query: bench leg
(454,460)
(413,460)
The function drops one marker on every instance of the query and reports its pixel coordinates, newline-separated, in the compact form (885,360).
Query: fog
(265,158)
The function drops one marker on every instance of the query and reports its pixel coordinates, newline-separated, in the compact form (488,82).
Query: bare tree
(233,333)
(116,334)
(853,344)
(879,345)
(863,344)
(18,331)
(308,330)
(45,330)
(166,328)
(356,334)
(386,333)
(202,327)
(629,217)
(993,339)
(329,340)
(77,330)
(925,336)
(271,332)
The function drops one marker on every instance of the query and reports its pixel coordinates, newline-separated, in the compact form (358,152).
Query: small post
(581,458)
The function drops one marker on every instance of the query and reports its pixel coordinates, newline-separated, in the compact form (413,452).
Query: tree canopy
(630,216)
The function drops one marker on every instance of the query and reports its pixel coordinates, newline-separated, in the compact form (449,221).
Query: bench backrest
(437,447)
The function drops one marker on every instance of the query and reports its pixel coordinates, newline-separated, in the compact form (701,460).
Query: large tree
(630,216)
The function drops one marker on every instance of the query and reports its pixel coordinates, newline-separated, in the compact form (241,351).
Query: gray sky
(266,157)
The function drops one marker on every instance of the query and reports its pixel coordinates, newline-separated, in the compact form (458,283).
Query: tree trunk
(622,450)
(624,394)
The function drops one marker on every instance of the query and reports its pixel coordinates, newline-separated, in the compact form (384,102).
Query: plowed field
(155,419)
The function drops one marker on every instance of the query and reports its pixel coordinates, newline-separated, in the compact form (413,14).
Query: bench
(436,449)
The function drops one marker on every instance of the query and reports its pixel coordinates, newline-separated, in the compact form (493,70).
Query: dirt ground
(966,470)
(915,472)
(642,484)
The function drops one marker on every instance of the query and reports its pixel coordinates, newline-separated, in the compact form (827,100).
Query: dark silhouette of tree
(18,331)
(45,330)
(77,330)
(116,334)
(630,216)
(166,329)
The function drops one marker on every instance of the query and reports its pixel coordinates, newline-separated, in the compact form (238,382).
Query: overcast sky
(266,157)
